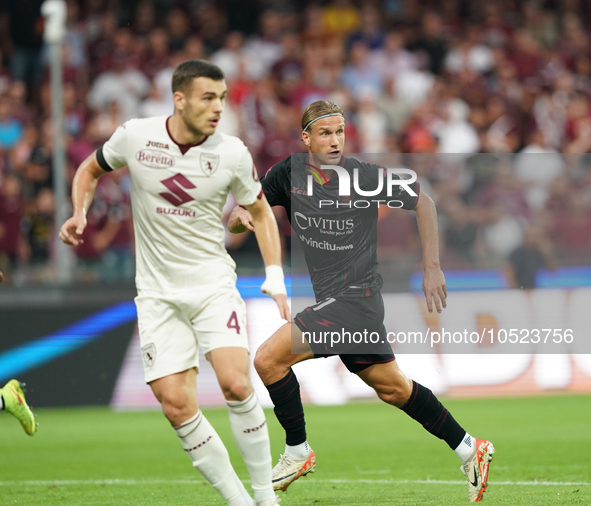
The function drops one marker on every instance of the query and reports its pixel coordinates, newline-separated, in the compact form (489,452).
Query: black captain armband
(100,158)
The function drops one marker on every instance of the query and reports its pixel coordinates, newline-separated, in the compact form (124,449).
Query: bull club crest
(149,354)
(209,163)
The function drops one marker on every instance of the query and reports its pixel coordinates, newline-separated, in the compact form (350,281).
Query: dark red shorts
(353,329)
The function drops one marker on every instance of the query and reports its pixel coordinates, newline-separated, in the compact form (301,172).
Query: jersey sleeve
(274,185)
(245,185)
(113,153)
(408,201)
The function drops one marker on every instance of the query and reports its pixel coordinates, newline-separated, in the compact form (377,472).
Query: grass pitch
(366,454)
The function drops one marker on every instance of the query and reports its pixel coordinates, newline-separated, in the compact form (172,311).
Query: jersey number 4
(176,184)
(233,322)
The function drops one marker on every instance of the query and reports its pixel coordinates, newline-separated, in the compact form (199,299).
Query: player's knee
(262,362)
(177,410)
(236,388)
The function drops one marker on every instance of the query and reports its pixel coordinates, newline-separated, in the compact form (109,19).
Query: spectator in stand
(470,53)
(572,228)
(340,17)
(37,173)
(13,245)
(77,55)
(194,48)
(559,195)
(74,111)
(213,25)
(526,261)
(502,134)
(459,231)
(22,111)
(121,84)
(22,22)
(496,27)
(39,227)
(413,85)
(288,71)
(82,146)
(102,45)
(5,76)
(455,133)
(144,20)
(504,210)
(105,251)
(526,55)
(370,32)
(281,138)
(431,41)
(158,53)
(11,130)
(536,166)
(229,57)
(314,77)
(177,26)
(392,59)
(359,77)
(264,50)
(159,101)
(21,153)
(372,125)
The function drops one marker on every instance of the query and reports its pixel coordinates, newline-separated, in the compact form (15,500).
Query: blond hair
(318,109)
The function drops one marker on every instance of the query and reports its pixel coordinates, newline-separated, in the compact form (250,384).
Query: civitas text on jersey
(394,184)
(304,222)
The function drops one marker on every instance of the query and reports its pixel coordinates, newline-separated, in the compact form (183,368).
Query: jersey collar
(183,147)
(310,158)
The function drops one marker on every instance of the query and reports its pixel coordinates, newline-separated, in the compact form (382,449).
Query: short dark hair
(188,70)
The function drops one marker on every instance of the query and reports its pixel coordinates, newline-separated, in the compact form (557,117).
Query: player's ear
(179,100)
(306,138)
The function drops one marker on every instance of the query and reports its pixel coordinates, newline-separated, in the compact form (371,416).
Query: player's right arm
(83,189)
(112,155)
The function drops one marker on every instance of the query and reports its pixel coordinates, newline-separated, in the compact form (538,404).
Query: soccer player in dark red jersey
(343,271)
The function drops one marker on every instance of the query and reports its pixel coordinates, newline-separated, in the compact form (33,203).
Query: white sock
(300,451)
(210,457)
(251,434)
(1,402)
(466,449)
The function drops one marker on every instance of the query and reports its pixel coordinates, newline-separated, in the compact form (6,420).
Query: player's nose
(218,106)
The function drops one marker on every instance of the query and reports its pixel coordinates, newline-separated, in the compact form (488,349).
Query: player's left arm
(267,234)
(433,278)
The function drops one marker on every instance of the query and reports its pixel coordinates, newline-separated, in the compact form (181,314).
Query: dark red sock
(285,395)
(426,409)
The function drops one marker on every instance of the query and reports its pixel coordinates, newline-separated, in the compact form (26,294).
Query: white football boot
(289,469)
(476,469)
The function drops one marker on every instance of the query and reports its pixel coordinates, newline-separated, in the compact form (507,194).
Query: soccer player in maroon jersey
(343,271)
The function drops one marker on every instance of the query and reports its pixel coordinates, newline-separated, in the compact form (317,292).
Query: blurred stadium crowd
(455,84)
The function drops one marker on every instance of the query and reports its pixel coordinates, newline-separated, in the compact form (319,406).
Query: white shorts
(172,325)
